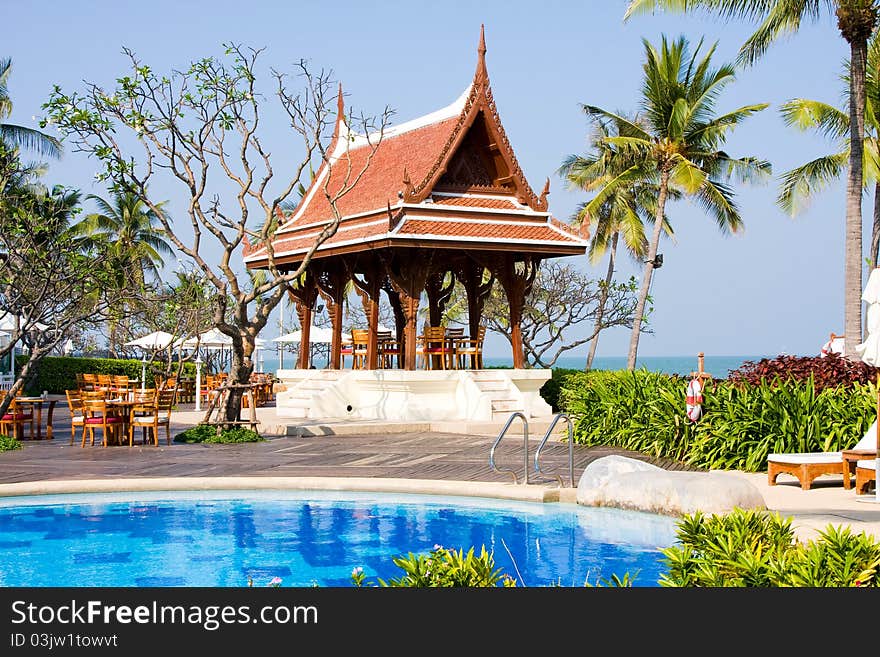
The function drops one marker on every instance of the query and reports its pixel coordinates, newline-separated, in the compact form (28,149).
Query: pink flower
(276,581)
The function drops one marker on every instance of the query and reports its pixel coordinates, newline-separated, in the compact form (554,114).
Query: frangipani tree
(201,128)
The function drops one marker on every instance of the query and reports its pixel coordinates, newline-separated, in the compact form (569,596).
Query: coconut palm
(856,21)
(625,211)
(133,241)
(801,183)
(17,135)
(681,142)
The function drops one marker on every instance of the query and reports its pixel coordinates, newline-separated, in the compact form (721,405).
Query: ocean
(717,366)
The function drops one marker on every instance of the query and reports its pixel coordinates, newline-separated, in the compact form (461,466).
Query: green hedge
(645,411)
(55,374)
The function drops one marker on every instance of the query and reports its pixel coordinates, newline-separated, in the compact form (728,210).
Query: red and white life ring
(694,407)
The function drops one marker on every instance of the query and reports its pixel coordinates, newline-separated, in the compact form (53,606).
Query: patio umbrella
(154,340)
(316,336)
(8,322)
(869,350)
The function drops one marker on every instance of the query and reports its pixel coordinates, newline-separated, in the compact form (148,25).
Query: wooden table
(124,407)
(850,456)
(36,406)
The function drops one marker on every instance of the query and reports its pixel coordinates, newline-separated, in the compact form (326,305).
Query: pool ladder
(537,463)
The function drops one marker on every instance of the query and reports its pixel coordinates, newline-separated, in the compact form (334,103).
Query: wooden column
(472,275)
(407,271)
(304,294)
(369,289)
(331,280)
(517,279)
(439,291)
(399,317)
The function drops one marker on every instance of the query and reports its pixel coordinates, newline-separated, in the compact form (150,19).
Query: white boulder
(625,483)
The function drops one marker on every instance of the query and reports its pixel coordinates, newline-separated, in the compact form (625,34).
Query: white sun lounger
(806,466)
(866,472)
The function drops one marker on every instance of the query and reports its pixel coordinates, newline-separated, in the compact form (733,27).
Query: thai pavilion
(441,194)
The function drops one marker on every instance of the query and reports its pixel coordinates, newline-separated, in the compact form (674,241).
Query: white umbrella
(154,340)
(317,335)
(869,350)
(68,347)
(212,338)
(7,323)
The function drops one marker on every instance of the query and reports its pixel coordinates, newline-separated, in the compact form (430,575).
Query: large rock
(625,483)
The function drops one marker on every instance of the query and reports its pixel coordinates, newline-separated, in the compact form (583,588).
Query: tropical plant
(757,548)
(799,184)
(443,567)
(8,443)
(856,21)
(134,243)
(625,210)
(681,142)
(18,136)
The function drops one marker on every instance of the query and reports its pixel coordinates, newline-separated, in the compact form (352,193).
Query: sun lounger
(866,472)
(806,466)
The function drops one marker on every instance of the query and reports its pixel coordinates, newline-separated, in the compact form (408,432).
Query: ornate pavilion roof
(448,179)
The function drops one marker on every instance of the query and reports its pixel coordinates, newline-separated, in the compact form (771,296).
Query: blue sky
(775,288)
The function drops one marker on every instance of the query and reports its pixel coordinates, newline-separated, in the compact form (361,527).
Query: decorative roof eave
(412,240)
(479,99)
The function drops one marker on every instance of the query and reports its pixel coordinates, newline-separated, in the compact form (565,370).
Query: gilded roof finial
(340,104)
(482,74)
(542,200)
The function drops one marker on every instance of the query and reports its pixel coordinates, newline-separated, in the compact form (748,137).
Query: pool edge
(507,491)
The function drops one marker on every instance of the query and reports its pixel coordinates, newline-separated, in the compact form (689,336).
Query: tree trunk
(875,231)
(603,298)
(852,324)
(648,272)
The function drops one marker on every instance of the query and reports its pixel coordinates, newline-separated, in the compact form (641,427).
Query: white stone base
(420,395)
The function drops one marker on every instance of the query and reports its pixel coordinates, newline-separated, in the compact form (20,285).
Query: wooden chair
(143,414)
(104,382)
(100,415)
(359,339)
(436,348)
(120,385)
(15,418)
(388,349)
(77,413)
(153,415)
(89,381)
(471,349)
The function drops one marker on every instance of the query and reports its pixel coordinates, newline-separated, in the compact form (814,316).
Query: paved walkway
(369,455)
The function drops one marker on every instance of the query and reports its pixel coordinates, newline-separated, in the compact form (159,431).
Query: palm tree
(681,142)
(856,21)
(17,135)
(799,184)
(625,210)
(134,242)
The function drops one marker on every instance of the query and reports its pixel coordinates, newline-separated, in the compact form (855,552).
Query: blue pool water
(311,538)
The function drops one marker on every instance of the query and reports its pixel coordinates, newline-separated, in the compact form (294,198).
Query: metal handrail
(556,418)
(492,465)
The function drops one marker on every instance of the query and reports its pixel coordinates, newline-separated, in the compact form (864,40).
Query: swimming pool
(308,538)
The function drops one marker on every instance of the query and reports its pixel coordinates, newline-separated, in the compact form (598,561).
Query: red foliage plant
(828,371)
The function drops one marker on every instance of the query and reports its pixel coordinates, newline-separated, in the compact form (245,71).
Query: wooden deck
(424,455)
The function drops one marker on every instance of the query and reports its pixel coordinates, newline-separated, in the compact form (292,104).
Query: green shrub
(206,433)
(645,412)
(758,549)
(55,374)
(550,390)
(442,567)
(8,443)
(235,435)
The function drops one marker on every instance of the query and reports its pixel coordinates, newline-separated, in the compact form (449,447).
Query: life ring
(694,407)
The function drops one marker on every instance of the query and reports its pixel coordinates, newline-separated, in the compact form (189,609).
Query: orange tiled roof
(416,150)
(489,230)
(476,202)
